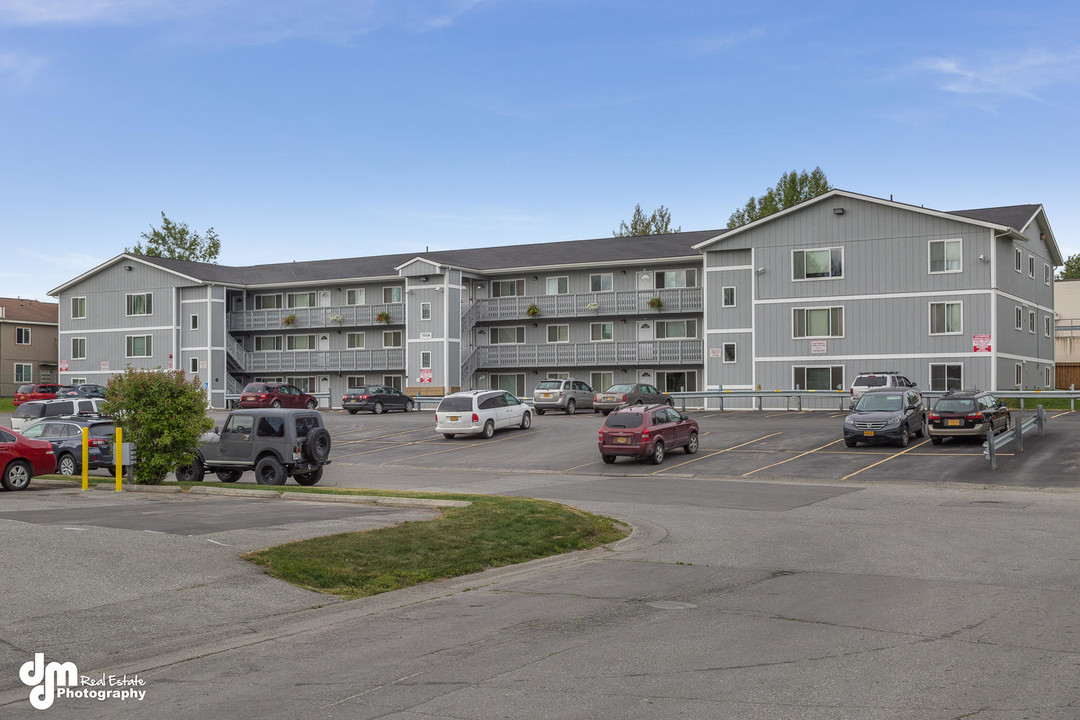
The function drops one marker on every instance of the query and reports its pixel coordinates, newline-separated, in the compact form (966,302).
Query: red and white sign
(819,347)
(980,343)
(716,352)
(63,366)
(104,365)
(425,375)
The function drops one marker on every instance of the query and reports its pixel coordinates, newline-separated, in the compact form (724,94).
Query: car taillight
(97,442)
(624,398)
(596,398)
(974,416)
(933,416)
(600,436)
(363,397)
(561,393)
(645,435)
(263,396)
(475,417)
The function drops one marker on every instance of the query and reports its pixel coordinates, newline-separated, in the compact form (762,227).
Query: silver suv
(566,394)
(877,379)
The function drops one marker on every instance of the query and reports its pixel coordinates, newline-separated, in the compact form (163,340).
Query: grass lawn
(1033,401)
(7,405)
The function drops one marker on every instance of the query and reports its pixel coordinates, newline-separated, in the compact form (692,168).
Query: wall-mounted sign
(980,343)
(425,375)
(104,365)
(425,336)
(819,347)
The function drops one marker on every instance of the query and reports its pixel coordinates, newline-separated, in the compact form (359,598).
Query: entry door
(324,298)
(644,280)
(646,329)
(324,388)
(324,342)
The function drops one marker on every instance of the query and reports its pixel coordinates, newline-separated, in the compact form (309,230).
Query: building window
(425,359)
(391,294)
(139,346)
(140,304)
(820,264)
(301,300)
(24,372)
(820,377)
(1018,259)
(268,302)
(558,285)
(1031,266)
(355,381)
(558,376)
(599,332)
(425,311)
(78,308)
(1048,377)
(945,256)
(558,333)
(676,279)
(194,364)
(300,342)
(676,329)
(355,296)
(267,343)
(22,336)
(355,340)
(507,288)
(601,283)
(946,376)
(78,348)
(513,384)
(1019,318)
(1047,275)
(729,297)
(601,381)
(1047,325)
(508,335)
(729,352)
(194,322)
(393,381)
(77,381)
(306,384)
(1019,375)
(946,318)
(1031,321)
(818,322)
(391,339)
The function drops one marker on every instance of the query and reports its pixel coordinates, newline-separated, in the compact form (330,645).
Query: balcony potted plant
(383,317)
(336,318)
(532,310)
(656,303)
(288,319)
(593,306)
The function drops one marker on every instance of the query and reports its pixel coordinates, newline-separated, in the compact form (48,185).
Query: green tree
(1071,269)
(792,189)
(163,413)
(178,241)
(659,223)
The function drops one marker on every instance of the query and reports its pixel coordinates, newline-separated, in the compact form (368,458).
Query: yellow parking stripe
(792,458)
(718,452)
(902,452)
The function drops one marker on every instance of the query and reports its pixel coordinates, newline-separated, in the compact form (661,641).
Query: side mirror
(217,430)
(684,416)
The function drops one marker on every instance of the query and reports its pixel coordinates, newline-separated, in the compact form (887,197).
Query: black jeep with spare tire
(277,444)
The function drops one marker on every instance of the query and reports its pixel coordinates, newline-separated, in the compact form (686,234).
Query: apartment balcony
(642,352)
(631,302)
(314,317)
(325,360)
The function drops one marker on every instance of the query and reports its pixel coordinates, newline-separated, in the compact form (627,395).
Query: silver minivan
(565,394)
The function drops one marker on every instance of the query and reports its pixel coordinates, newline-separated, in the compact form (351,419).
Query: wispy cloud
(81,12)
(1021,77)
(18,70)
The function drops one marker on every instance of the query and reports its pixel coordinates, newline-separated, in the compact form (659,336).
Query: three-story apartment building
(28,343)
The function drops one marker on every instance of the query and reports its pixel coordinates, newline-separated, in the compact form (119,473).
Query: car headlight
(892,422)
(849,420)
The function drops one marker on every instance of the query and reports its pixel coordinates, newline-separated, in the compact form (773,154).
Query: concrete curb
(235,492)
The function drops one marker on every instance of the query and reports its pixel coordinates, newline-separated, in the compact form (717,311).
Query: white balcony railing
(642,352)
(632,302)
(330,360)
(316,317)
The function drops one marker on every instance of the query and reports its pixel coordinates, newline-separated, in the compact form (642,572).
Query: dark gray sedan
(890,415)
(629,394)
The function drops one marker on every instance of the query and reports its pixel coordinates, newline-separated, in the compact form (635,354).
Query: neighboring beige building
(1067,332)
(29,330)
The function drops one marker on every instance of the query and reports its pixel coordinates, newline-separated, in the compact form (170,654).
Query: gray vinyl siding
(721,374)
(728,258)
(740,316)
(419,268)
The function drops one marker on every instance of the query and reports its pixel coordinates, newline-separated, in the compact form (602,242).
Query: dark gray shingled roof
(1014,216)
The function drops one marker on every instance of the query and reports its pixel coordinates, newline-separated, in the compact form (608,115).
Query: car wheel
(352,412)
(16,476)
(317,444)
(639,402)
(526,421)
(448,436)
(691,444)
(269,471)
(571,407)
(604,412)
(489,429)
(229,475)
(309,478)
(377,409)
(922,428)
(851,442)
(657,456)
(409,407)
(66,465)
(609,459)
(311,405)
(905,437)
(276,404)
(190,473)
(936,440)
(540,411)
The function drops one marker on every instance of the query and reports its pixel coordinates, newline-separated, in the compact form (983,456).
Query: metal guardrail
(1015,435)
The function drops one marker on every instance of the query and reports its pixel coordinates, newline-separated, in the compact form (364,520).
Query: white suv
(878,379)
(480,412)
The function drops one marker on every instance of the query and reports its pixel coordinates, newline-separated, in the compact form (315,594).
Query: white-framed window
(425,359)
(22,336)
(946,318)
(1019,318)
(391,294)
(601,332)
(558,333)
(194,322)
(24,372)
(268,378)
(140,304)
(728,299)
(1048,326)
(299,342)
(78,349)
(507,288)
(268,302)
(1047,275)
(355,340)
(354,381)
(391,339)
(601,381)
(1031,321)
(945,256)
(138,346)
(77,381)
(946,376)
(305,384)
(676,279)
(267,343)
(558,285)
(602,282)
(425,311)
(301,299)
(729,352)
(78,308)
(817,264)
(1031,266)
(1048,377)
(1018,259)
(193,366)
(558,375)
(1019,375)
(818,377)
(676,329)
(513,335)
(512,383)
(815,322)
(393,381)
(355,296)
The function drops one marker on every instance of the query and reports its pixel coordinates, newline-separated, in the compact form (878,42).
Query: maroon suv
(26,393)
(276,395)
(646,431)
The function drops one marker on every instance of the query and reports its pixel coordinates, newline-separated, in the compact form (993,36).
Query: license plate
(455,418)
(249,397)
(547,395)
(620,441)
(868,433)
(952,422)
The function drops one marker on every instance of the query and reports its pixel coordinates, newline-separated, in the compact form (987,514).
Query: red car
(276,395)
(26,393)
(22,458)
(646,431)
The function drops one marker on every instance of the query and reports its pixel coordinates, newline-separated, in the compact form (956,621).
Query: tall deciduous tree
(178,241)
(792,189)
(1071,269)
(659,223)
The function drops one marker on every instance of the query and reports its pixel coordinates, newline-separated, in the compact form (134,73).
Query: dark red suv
(44,391)
(646,431)
(276,395)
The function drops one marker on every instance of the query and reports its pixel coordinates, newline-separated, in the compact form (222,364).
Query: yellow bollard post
(85,458)
(118,457)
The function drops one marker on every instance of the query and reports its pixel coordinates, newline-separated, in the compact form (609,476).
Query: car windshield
(255,387)
(620,389)
(25,389)
(356,391)
(461,403)
(27,410)
(954,405)
(624,420)
(103,430)
(873,381)
(880,402)
(549,385)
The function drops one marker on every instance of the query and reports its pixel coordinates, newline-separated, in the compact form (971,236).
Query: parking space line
(718,452)
(884,460)
(792,458)
(1067,412)
(474,444)
(387,435)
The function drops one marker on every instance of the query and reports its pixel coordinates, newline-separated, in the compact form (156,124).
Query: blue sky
(325,128)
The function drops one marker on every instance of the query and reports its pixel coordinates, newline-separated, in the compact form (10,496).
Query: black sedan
(376,399)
